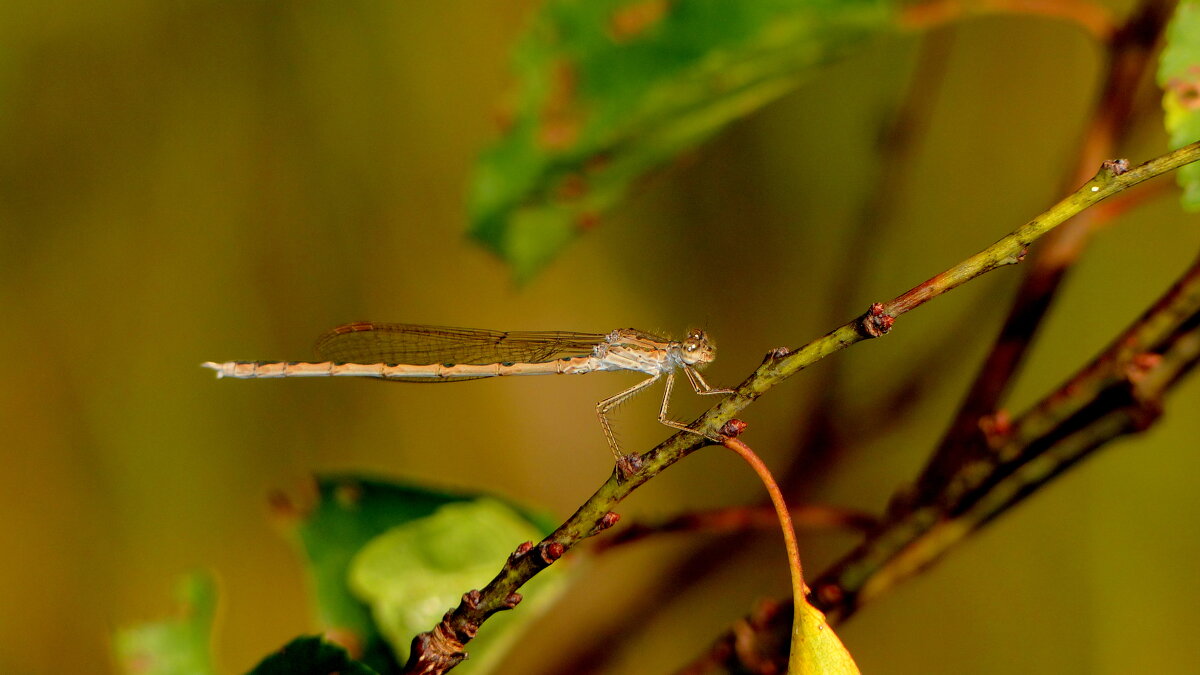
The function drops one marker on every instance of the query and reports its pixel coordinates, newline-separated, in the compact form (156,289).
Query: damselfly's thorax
(631,349)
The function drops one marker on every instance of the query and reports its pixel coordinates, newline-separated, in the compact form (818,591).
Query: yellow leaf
(816,649)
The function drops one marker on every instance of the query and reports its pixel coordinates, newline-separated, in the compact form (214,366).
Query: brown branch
(1129,57)
(1117,394)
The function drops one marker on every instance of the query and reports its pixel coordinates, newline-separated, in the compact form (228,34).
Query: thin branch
(443,647)
(1118,393)
(1129,57)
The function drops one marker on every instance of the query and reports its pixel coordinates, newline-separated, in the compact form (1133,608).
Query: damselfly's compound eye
(697,350)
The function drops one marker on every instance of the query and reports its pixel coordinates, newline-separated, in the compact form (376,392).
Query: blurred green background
(185,181)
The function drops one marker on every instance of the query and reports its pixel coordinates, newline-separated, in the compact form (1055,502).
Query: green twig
(443,647)
(1119,393)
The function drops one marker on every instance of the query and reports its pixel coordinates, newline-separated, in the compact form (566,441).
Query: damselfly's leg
(662,412)
(624,464)
(698,383)
(700,386)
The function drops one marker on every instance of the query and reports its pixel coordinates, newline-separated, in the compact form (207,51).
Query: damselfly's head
(696,350)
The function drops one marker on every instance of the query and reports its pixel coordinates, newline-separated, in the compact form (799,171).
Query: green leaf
(349,512)
(176,646)
(311,655)
(1179,76)
(610,89)
(412,574)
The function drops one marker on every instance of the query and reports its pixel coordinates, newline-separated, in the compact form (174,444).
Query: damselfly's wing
(417,345)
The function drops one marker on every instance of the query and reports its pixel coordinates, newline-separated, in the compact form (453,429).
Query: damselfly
(414,353)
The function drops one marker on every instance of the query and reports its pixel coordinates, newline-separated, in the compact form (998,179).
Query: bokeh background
(194,180)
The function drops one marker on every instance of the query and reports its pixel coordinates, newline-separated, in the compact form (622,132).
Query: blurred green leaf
(610,89)
(415,572)
(1179,76)
(352,511)
(311,655)
(177,646)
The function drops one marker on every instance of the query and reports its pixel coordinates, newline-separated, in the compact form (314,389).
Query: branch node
(776,354)
(551,551)
(606,521)
(829,595)
(627,467)
(436,651)
(997,428)
(524,548)
(1014,259)
(1140,365)
(1115,167)
(733,428)
(512,600)
(1147,405)
(876,322)
(471,599)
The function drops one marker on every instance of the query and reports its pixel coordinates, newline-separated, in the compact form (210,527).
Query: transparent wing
(417,345)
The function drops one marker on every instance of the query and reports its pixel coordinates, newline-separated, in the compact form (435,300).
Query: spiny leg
(625,464)
(662,412)
(700,386)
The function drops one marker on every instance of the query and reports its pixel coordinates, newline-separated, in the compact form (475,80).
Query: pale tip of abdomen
(215,366)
